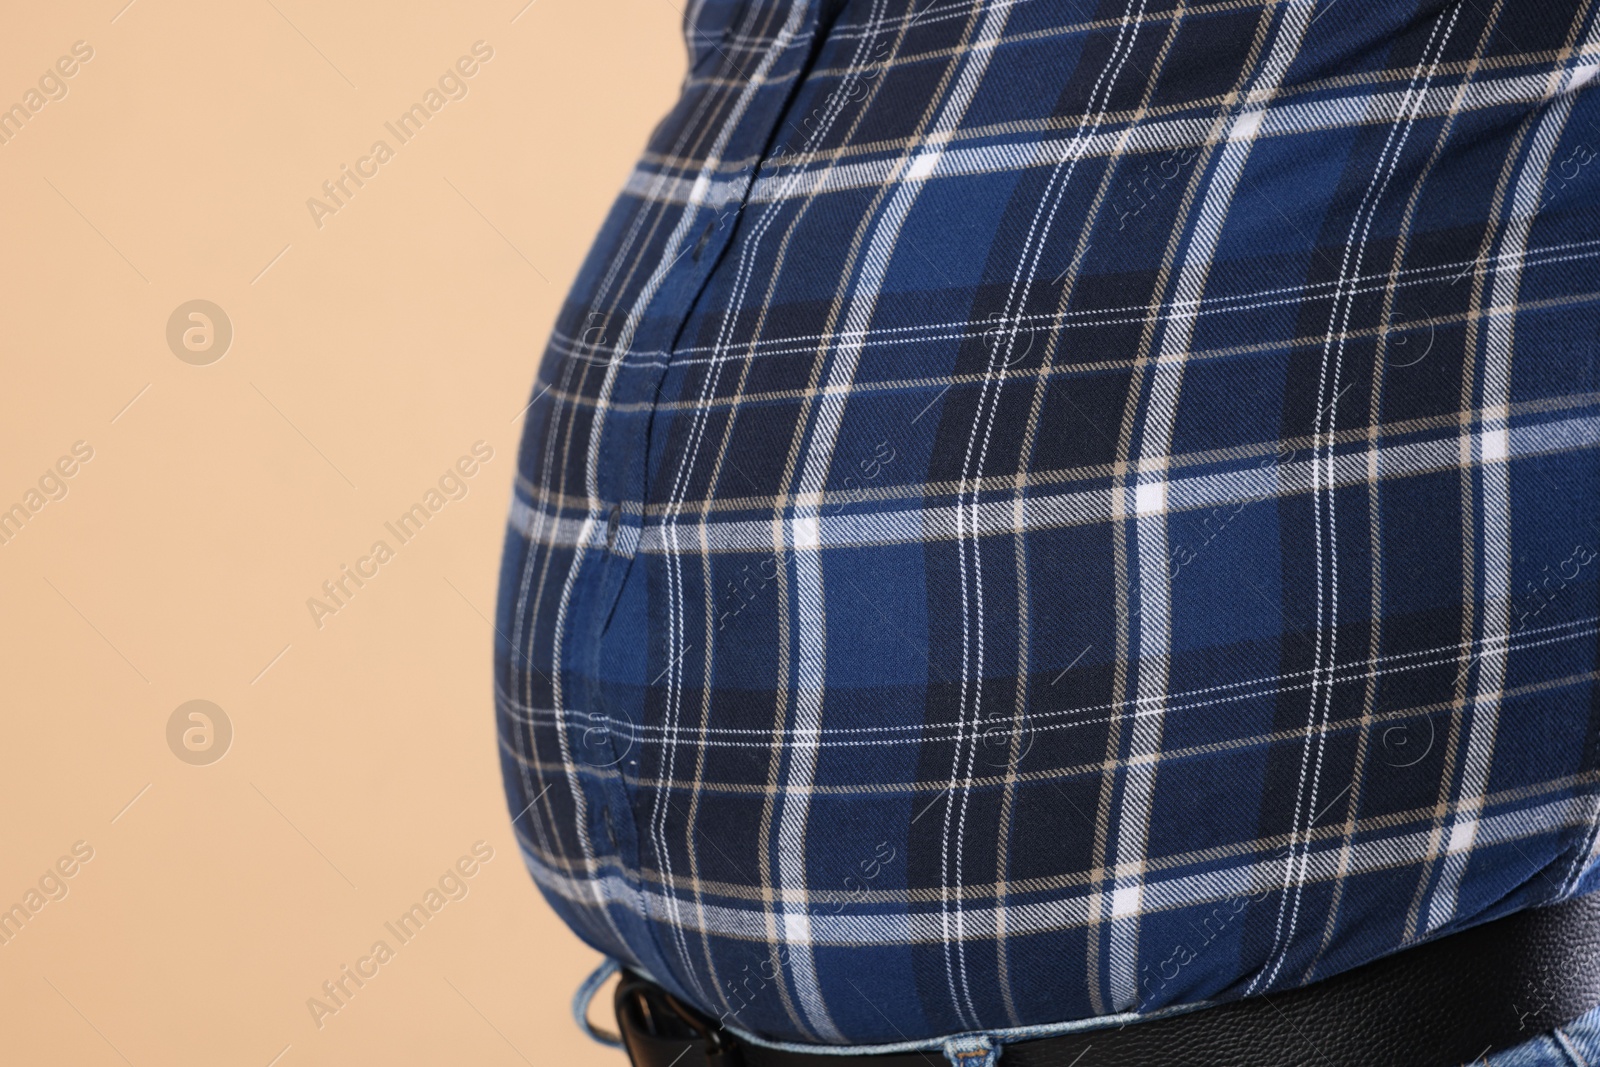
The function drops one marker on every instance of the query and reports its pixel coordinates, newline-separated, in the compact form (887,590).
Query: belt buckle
(657,1028)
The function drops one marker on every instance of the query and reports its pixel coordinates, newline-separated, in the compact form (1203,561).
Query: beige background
(367,356)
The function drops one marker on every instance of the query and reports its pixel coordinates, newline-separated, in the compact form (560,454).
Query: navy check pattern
(1039,511)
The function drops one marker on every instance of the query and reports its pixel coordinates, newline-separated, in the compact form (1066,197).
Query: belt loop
(972,1050)
(580,1003)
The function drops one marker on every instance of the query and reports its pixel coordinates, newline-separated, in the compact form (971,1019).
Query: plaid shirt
(1036,512)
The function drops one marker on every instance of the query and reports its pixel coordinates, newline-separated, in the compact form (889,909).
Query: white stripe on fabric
(591,525)
(670,527)
(1155,621)
(1074,717)
(811,637)
(1212,887)
(973,463)
(1044,322)
(1000,518)
(1042,150)
(1495,480)
(1323,504)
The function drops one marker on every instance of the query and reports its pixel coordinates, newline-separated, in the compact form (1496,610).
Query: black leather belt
(1445,1002)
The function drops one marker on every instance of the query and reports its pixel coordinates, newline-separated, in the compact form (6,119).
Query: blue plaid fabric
(1037,512)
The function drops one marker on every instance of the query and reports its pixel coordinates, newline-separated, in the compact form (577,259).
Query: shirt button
(705,239)
(613,524)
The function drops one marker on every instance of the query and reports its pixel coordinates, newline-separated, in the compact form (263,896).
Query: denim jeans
(1575,1045)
